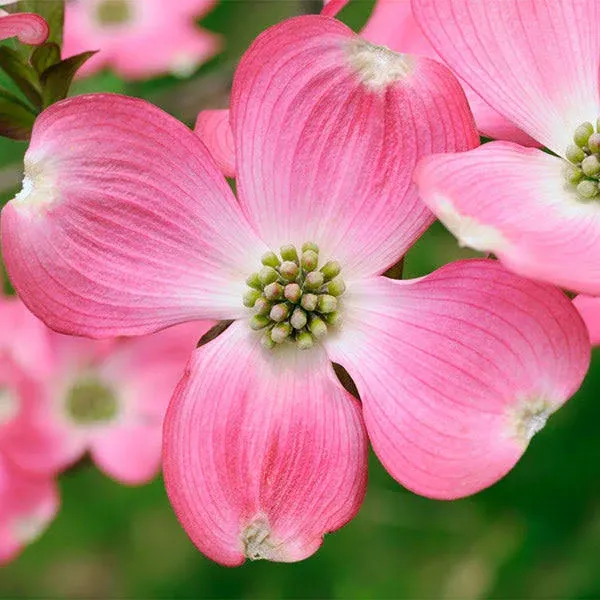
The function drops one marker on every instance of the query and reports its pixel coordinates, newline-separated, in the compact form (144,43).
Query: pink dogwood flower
(139,38)
(107,397)
(125,226)
(28,504)
(537,211)
(28,28)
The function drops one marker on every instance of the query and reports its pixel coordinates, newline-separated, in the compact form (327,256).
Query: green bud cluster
(583,167)
(113,12)
(90,402)
(293,299)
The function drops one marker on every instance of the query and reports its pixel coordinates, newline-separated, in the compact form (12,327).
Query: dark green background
(536,534)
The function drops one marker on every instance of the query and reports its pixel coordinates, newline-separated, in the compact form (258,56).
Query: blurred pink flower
(538,212)
(125,225)
(28,504)
(28,28)
(107,397)
(139,38)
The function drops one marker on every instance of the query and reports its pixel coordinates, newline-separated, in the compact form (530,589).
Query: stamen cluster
(294,299)
(583,168)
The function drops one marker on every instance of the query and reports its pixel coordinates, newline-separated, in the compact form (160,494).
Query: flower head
(264,450)
(139,38)
(538,212)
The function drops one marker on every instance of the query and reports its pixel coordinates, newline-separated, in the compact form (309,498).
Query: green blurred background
(536,534)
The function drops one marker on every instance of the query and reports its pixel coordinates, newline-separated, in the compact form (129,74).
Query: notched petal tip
(259,543)
(378,66)
(528,417)
(38,187)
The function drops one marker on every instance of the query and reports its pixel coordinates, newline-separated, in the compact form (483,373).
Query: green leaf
(54,13)
(16,118)
(45,56)
(57,79)
(21,72)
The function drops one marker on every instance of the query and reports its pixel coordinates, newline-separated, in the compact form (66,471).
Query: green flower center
(582,170)
(113,12)
(294,300)
(90,402)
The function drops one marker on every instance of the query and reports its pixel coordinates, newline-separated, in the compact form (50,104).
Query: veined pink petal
(28,28)
(145,370)
(332,7)
(514,202)
(458,370)
(535,62)
(215,131)
(27,505)
(124,224)
(392,24)
(589,309)
(263,452)
(327,130)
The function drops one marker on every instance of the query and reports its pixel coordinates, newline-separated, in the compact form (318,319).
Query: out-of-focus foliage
(535,534)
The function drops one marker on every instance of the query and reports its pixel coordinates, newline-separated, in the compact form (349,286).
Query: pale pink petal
(392,24)
(332,7)
(264,452)
(28,28)
(327,131)
(215,131)
(458,370)
(27,506)
(514,202)
(589,309)
(124,224)
(145,370)
(535,62)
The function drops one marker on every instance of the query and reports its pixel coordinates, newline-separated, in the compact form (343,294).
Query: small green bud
(309,302)
(289,252)
(587,189)
(267,341)
(304,340)
(250,297)
(572,173)
(289,270)
(268,275)
(591,165)
(336,287)
(299,319)
(279,313)
(331,269)
(333,319)
(583,133)
(594,142)
(310,246)
(314,280)
(281,332)
(258,322)
(574,154)
(269,259)
(292,292)
(326,303)
(310,260)
(273,291)
(254,282)
(317,327)
(262,306)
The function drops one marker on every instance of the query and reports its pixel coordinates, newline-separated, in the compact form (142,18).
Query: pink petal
(146,371)
(124,224)
(27,505)
(264,452)
(519,55)
(458,370)
(514,202)
(327,131)
(589,309)
(392,24)
(215,131)
(28,28)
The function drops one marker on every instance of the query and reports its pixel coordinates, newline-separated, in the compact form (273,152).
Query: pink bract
(519,203)
(589,309)
(28,28)
(126,225)
(151,38)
